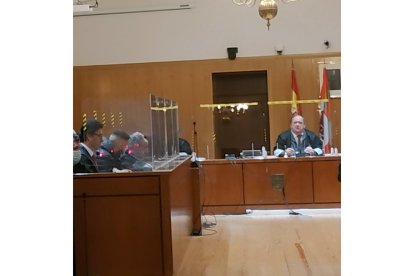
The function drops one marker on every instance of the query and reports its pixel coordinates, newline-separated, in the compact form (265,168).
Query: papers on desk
(330,154)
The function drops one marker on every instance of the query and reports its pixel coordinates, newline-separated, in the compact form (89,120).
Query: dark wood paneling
(113,246)
(309,183)
(114,88)
(326,186)
(124,186)
(132,224)
(258,183)
(181,201)
(196,201)
(236,131)
(79,236)
(222,184)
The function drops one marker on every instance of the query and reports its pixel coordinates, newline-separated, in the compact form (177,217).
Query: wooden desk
(134,223)
(232,186)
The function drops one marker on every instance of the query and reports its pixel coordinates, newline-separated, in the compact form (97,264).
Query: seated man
(184,146)
(133,158)
(298,141)
(91,138)
(76,149)
(109,155)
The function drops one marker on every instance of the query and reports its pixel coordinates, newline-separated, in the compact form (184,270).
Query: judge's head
(297,124)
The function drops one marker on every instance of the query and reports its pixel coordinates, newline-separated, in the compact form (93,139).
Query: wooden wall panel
(79,237)
(135,224)
(181,214)
(113,246)
(258,182)
(222,185)
(114,88)
(327,188)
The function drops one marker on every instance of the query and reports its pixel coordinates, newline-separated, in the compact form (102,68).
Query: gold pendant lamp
(268,10)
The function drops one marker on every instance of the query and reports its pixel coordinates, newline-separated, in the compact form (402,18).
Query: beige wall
(112,88)
(203,32)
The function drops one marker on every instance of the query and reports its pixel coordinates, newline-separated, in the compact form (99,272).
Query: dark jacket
(86,164)
(184,146)
(285,140)
(107,160)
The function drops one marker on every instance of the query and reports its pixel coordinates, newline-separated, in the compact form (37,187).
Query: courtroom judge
(109,155)
(298,141)
(91,138)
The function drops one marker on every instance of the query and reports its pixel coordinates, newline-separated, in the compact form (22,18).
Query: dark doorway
(236,130)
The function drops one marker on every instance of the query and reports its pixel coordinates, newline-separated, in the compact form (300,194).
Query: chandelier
(248,3)
(267,8)
(230,108)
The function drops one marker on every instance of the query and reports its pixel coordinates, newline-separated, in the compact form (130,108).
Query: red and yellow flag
(295,108)
(325,120)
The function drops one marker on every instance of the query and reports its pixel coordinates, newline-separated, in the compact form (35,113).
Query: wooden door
(236,130)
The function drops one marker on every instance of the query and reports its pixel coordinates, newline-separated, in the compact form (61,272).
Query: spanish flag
(295,95)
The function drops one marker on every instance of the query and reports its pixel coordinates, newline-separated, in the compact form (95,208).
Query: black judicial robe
(284,140)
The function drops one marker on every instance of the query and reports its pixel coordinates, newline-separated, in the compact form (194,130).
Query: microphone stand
(194,162)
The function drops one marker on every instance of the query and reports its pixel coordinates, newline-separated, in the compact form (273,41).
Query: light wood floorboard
(261,245)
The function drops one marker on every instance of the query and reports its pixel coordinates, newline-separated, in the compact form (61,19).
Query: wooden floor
(266,244)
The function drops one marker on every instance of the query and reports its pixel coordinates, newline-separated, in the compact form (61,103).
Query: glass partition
(152,124)
(164,132)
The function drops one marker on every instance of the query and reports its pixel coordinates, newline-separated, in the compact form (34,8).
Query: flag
(295,108)
(325,111)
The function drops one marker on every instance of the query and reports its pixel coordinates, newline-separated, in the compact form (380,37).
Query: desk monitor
(250,153)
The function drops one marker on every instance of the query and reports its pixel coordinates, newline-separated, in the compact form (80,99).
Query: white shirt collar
(91,153)
(296,137)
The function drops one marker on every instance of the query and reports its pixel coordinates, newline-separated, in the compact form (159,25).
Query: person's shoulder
(310,133)
(85,160)
(285,133)
(102,152)
(127,157)
(83,149)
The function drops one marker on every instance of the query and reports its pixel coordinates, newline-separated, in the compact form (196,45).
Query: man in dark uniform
(184,146)
(298,141)
(108,156)
(91,138)
(133,158)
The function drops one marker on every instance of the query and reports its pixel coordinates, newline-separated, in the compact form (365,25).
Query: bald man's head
(297,124)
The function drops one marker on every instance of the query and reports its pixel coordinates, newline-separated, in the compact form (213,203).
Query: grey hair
(119,134)
(113,137)
(136,138)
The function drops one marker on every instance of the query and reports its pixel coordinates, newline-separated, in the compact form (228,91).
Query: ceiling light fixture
(267,8)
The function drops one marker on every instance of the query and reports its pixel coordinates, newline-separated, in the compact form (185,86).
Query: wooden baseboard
(241,209)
